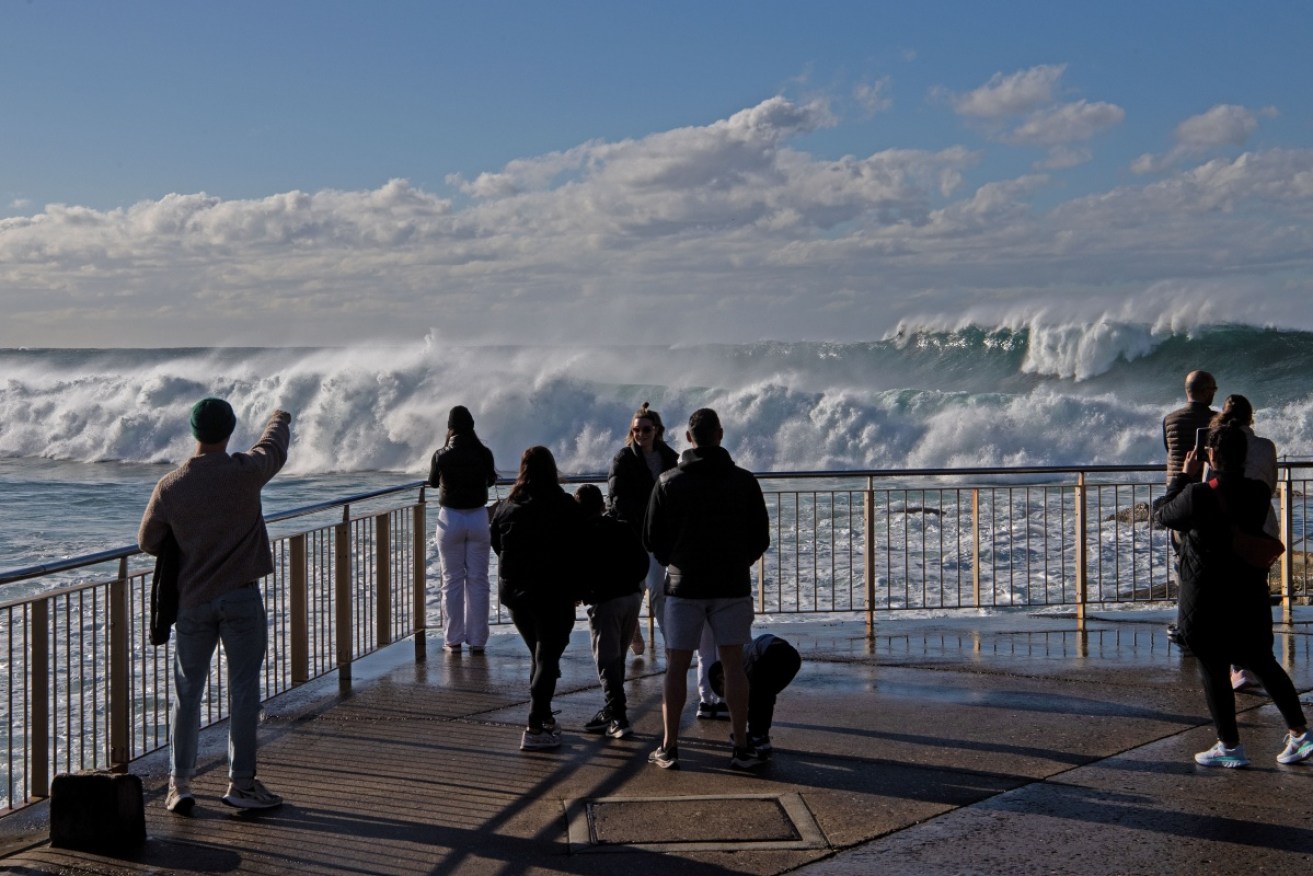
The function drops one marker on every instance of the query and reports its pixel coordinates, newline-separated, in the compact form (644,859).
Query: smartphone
(1201,444)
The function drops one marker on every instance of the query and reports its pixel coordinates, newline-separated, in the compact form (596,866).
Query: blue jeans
(238,620)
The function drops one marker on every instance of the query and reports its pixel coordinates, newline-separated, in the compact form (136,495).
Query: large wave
(921,397)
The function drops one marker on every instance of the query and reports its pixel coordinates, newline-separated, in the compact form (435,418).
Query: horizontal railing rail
(82,688)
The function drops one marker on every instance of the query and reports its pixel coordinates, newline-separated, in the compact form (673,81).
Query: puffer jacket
(1223,600)
(1178,433)
(629,483)
(462,470)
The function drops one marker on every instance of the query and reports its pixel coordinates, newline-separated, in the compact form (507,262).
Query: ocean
(84,434)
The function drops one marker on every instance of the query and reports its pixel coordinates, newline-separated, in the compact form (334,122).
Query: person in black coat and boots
(612,566)
(1224,612)
(536,534)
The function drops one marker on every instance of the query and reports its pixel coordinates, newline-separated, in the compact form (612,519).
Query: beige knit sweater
(212,504)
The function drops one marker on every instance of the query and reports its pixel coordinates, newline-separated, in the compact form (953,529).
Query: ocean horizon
(85,433)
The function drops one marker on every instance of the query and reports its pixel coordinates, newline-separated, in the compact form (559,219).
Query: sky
(325,173)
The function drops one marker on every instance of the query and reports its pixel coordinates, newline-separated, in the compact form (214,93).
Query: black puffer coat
(630,483)
(1224,601)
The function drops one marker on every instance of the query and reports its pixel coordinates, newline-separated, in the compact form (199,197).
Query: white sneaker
(1221,756)
(540,740)
(179,800)
(251,795)
(1297,748)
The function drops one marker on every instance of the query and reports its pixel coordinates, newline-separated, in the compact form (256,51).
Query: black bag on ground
(97,810)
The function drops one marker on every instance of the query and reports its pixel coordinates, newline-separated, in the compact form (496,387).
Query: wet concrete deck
(1003,744)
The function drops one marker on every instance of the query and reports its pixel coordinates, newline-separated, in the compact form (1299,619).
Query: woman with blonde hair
(634,472)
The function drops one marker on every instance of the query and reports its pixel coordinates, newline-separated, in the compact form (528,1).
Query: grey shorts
(730,621)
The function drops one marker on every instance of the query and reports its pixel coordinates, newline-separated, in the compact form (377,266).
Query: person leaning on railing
(211,505)
(1224,613)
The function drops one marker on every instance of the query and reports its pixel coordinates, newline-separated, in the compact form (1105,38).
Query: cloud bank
(731,230)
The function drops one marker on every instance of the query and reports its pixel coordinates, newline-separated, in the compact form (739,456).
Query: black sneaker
(619,729)
(666,758)
(599,722)
(762,744)
(746,758)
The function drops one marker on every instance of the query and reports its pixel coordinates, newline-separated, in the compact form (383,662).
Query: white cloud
(874,97)
(724,231)
(1068,123)
(1062,157)
(1223,125)
(1010,95)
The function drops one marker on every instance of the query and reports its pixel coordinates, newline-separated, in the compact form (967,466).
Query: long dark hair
(1230,444)
(461,422)
(537,473)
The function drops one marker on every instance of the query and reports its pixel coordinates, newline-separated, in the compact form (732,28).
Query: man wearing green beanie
(211,505)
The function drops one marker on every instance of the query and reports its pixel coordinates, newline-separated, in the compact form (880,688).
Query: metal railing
(83,689)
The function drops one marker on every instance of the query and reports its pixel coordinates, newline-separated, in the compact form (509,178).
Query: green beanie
(212,420)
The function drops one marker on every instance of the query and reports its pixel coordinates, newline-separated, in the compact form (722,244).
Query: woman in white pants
(462,470)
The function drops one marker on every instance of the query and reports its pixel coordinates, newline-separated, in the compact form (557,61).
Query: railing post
(299,601)
(420,571)
(39,723)
(120,691)
(1286,499)
(383,579)
(975,545)
(342,595)
(868,558)
(1082,550)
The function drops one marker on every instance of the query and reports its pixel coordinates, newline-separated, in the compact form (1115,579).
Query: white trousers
(464,544)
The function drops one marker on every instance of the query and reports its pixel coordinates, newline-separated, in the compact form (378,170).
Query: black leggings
(1215,672)
(546,630)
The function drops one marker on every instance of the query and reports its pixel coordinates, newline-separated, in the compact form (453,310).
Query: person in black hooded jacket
(1224,612)
(536,535)
(611,567)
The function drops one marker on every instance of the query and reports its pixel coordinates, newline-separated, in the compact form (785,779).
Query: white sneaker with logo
(1221,756)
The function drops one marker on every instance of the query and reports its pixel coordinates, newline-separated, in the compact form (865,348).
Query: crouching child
(770,664)
(614,565)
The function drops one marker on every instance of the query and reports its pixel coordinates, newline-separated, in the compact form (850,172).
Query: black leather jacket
(462,470)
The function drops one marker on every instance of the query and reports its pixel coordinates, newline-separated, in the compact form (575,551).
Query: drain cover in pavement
(758,821)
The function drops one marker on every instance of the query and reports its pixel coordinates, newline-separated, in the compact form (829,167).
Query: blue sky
(321,172)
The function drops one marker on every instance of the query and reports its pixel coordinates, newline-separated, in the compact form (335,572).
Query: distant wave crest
(923,396)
